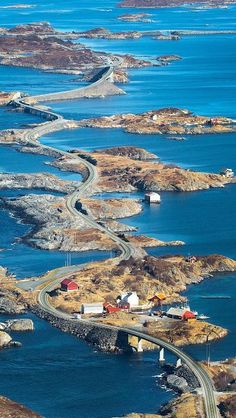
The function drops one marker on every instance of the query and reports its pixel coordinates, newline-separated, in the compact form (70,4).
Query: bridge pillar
(139,346)
(162,355)
(178,363)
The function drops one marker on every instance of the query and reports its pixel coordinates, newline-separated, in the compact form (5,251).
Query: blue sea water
(80,382)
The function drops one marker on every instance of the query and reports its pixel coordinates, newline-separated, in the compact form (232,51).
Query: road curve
(57,122)
(211,410)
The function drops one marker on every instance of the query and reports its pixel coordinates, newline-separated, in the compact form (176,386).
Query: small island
(172,3)
(136,17)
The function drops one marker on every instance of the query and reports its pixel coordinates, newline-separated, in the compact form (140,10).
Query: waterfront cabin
(68,285)
(92,308)
(152,197)
(129,299)
(180,313)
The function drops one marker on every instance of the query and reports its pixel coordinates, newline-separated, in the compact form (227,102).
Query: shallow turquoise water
(98,385)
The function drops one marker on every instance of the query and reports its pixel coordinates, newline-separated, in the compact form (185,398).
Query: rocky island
(164,121)
(172,3)
(136,17)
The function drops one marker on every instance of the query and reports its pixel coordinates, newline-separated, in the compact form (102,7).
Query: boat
(202,316)
(216,297)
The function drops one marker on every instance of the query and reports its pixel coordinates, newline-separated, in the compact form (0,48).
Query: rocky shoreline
(12,409)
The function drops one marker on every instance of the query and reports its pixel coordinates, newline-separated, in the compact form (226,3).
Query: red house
(110,308)
(68,285)
(188,315)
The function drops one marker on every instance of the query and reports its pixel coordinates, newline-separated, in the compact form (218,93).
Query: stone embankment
(104,339)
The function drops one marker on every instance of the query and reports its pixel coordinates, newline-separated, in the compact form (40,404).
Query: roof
(91,305)
(159,296)
(176,311)
(66,282)
(152,194)
(189,314)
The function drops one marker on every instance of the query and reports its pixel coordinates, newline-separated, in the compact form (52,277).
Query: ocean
(54,373)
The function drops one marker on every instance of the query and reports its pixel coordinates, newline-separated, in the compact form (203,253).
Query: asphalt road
(126,250)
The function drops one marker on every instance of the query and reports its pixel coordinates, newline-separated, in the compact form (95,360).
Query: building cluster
(129,302)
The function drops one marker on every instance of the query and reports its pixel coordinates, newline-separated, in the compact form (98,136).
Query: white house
(227,172)
(92,308)
(153,197)
(130,298)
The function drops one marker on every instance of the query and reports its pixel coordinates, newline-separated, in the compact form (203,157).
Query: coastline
(54,151)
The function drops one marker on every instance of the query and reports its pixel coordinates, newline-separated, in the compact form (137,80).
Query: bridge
(207,388)
(30,136)
(102,87)
(187,32)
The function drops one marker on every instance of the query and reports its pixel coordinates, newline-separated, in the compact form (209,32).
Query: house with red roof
(68,285)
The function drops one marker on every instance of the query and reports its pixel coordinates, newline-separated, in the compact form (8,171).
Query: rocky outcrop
(19,325)
(135,153)
(177,383)
(110,208)
(180,379)
(11,409)
(5,339)
(9,304)
(43,181)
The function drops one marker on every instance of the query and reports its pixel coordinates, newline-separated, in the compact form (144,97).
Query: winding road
(57,122)
(207,388)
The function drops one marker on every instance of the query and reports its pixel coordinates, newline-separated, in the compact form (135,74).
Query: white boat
(202,316)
